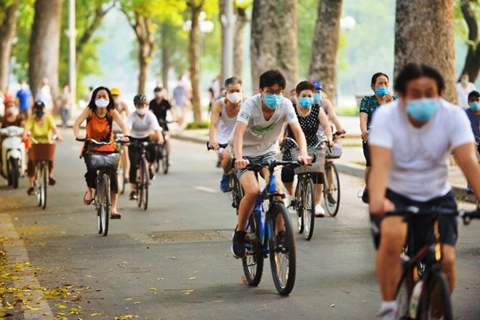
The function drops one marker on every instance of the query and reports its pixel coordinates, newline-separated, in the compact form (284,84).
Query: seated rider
(473,114)
(11,118)
(159,106)
(223,118)
(143,127)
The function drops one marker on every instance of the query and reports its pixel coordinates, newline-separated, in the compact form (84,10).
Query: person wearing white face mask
(410,141)
(144,127)
(159,106)
(100,114)
(464,87)
(222,121)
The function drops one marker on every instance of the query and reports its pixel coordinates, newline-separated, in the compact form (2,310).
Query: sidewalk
(352,161)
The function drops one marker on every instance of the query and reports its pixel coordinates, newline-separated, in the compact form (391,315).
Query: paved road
(173,261)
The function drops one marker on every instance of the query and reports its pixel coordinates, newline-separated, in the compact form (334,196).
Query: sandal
(87,201)
(115,215)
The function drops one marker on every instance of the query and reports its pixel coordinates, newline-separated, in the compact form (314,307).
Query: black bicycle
(425,294)
(162,151)
(142,180)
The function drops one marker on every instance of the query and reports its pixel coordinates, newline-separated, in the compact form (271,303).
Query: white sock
(389,305)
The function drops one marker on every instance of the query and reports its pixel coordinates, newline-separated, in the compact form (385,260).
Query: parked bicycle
(235,191)
(425,295)
(270,233)
(41,154)
(104,163)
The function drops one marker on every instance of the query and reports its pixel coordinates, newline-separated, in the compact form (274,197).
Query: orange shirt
(100,129)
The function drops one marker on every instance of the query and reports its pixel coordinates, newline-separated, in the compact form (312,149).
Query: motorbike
(14,161)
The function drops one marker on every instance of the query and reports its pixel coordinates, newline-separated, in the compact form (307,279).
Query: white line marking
(16,253)
(206,189)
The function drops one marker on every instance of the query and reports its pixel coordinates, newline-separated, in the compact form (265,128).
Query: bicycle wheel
(103,205)
(403,293)
(139,184)
(253,261)
(158,158)
(435,301)
(14,172)
(145,182)
(38,184)
(121,175)
(308,207)
(332,191)
(282,248)
(165,160)
(236,191)
(297,203)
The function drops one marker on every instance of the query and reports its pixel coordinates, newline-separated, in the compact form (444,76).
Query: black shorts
(447,225)
(366,153)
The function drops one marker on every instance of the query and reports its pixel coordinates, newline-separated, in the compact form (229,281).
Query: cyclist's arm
(55,130)
(363,124)
(332,115)
(125,108)
(300,138)
(377,181)
(214,119)
(466,158)
(119,120)
(240,130)
(82,117)
(322,118)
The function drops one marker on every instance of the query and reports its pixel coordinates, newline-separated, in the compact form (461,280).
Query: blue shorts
(447,225)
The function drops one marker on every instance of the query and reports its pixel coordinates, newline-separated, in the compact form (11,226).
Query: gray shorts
(269,156)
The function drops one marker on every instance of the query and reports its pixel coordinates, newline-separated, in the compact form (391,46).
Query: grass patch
(347,111)
(204,124)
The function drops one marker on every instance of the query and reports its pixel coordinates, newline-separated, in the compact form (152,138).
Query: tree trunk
(434,46)
(472,59)
(240,23)
(146,50)
(193,58)
(323,64)
(45,45)
(274,39)
(7,33)
(165,55)
(221,16)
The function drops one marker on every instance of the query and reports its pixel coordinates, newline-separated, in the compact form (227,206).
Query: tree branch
(470,19)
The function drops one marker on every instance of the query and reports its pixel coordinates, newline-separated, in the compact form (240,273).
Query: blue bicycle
(270,233)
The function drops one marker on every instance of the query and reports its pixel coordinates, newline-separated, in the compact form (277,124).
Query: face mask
(141,111)
(381,91)
(317,97)
(234,97)
(12,110)
(101,103)
(272,100)
(464,81)
(305,102)
(39,114)
(422,109)
(293,99)
(158,95)
(475,105)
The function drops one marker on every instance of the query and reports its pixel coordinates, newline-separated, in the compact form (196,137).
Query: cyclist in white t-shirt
(255,138)
(143,126)
(411,140)
(223,118)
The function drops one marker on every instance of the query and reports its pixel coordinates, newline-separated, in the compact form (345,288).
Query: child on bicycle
(144,127)
(411,140)
(255,139)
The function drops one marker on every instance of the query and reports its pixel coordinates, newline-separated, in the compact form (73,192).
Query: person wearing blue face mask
(310,119)
(473,114)
(411,140)
(369,104)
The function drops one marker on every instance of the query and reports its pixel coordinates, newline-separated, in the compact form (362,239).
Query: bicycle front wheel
(298,205)
(253,261)
(103,205)
(308,208)
(144,188)
(282,248)
(435,301)
(402,297)
(331,189)
(165,160)
(236,189)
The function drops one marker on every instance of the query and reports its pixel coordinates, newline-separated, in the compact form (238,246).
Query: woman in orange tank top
(100,114)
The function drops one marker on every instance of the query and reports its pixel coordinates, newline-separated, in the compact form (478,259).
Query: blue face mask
(422,109)
(39,114)
(317,97)
(272,100)
(475,105)
(305,102)
(381,91)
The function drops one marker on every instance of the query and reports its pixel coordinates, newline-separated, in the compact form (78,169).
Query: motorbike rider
(11,118)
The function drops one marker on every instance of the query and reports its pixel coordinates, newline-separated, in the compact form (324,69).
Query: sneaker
(51,181)
(288,200)
(30,191)
(468,189)
(365,195)
(224,183)
(238,244)
(150,173)
(387,314)
(133,195)
(330,199)
(319,211)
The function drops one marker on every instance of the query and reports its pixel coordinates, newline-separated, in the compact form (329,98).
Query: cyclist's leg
(126,162)
(225,160)
(251,189)
(114,192)
(319,181)
(30,175)
(133,156)
(287,178)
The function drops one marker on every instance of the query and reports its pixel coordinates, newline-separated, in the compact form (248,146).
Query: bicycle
(121,172)
(270,233)
(41,154)
(235,191)
(331,190)
(425,295)
(103,163)
(162,153)
(304,196)
(142,180)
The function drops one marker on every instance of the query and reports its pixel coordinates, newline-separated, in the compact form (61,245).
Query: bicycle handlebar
(221,145)
(410,211)
(101,143)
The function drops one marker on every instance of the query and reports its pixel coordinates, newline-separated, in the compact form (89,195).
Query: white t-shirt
(141,128)
(261,136)
(420,156)
(462,94)
(225,125)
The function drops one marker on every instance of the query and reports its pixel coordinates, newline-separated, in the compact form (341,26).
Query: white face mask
(101,103)
(158,95)
(12,110)
(141,111)
(234,97)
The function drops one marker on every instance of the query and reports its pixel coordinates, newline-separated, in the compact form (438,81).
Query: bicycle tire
(403,294)
(158,157)
(298,205)
(121,176)
(165,160)
(43,190)
(139,184)
(332,209)
(435,300)
(37,184)
(253,260)
(236,191)
(104,203)
(145,183)
(14,172)
(282,249)
(308,206)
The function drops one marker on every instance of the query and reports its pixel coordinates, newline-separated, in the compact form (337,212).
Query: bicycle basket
(334,152)
(97,161)
(42,151)
(316,167)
